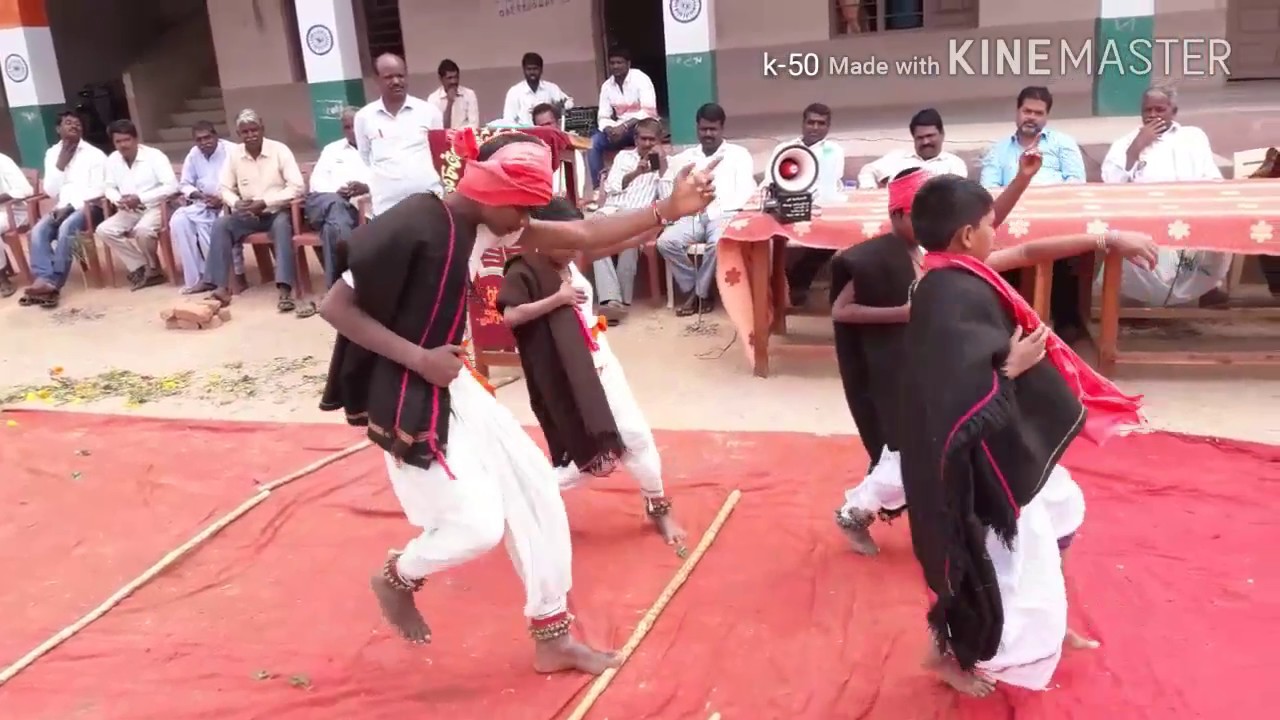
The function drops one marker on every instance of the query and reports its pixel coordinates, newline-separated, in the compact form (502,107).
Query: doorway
(637,26)
(1253,29)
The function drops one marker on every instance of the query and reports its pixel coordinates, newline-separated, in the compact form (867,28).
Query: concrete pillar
(689,28)
(1117,89)
(331,52)
(32,82)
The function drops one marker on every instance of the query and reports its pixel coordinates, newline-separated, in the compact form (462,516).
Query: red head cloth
(518,174)
(1109,409)
(902,191)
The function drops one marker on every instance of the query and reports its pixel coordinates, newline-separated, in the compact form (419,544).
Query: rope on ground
(168,560)
(646,623)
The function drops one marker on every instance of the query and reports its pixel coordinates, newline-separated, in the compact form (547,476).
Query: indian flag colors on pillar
(332,57)
(689,28)
(1124,32)
(32,82)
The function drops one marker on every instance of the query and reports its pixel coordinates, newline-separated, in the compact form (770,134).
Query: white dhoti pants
(880,490)
(1032,588)
(189,228)
(641,458)
(502,485)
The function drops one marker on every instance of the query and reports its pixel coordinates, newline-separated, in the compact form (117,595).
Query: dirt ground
(107,351)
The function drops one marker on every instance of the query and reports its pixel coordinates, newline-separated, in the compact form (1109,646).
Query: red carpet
(273,618)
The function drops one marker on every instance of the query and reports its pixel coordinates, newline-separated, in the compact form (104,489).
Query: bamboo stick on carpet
(150,574)
(646,623)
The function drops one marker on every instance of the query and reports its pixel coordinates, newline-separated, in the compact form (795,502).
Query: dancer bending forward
(463,469)
(576,385)
(988,504)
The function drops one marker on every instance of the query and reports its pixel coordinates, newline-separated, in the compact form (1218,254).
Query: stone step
(209,91)
(183,133)
(187,119)
(205,104)
(176,150)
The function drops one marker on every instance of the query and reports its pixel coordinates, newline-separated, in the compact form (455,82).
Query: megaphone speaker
(795,169)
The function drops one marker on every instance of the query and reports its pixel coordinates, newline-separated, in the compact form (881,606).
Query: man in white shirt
(339,177)
(735,183)
(533,91)
(391,134)
(190,224)
(14,190)
(139,181)
(806,262)
(73,176)
(1164,150)
(625,98)
(458,105)
(928,135)
(632,183)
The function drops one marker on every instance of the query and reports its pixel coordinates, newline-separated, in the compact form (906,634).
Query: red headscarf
(518,174)
(902,191)
(1109,409)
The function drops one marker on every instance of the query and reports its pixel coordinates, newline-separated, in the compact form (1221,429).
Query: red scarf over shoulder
(1109,410)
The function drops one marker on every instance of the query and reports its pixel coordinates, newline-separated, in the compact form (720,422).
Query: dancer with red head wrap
(464,470)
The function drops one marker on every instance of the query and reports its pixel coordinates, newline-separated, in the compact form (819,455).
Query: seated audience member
(139,181)
(927,135)
(1063,163)
(734,181)
(190,224)
(14,190)
(626,98)
(259,181)
(73,176)
(1164,150)
(527,96)
(806,262)
(632,183)
(391,133)
(457,104)
(338,178)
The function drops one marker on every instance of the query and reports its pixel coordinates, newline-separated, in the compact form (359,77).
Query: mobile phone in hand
(654,162)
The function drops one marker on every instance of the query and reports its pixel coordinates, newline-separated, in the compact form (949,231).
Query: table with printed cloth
(1236,216)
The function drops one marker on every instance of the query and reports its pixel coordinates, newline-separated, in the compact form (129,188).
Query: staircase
(205,104)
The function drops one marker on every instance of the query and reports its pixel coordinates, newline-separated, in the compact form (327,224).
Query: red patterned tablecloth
(1240,216)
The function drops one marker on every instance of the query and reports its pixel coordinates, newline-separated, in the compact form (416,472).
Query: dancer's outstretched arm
(692,193)
(1138,247)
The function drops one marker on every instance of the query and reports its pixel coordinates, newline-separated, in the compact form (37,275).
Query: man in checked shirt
(632,183)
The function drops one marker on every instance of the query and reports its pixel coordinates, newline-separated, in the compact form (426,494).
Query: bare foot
(669,529)
(857,530)
(567,653)
(1076,641)
(399,610)
(948,670)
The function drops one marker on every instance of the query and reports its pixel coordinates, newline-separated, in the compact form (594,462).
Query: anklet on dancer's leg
(395,596)
(556,650)
(856,524)
(658,508)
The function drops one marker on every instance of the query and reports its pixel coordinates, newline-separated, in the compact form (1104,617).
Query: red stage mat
(779,620)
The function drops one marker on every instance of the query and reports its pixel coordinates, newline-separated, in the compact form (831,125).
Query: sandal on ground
(6,288)
(306,309)
(198,288)
(286,305)
(48,302)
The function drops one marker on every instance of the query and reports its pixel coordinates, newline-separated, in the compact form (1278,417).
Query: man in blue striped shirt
(1063,163)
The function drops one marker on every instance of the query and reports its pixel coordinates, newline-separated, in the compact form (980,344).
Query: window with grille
(854,17)
(382,31)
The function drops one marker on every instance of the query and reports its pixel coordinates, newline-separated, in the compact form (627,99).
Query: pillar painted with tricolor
(32,83)
(331,53)
(689,27)
(1124,29)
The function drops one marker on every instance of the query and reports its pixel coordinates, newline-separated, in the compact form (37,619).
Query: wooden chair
(164,243)
(1247,163)
(261,242)
(14,236)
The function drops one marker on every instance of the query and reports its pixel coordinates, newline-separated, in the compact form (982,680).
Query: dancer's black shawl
(409,267)
(980,448)
(565,392)
(870,356)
